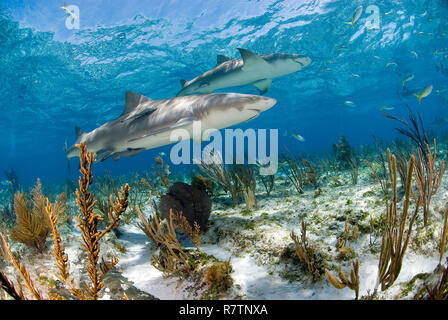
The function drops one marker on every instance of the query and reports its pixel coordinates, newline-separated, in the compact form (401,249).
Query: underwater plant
(428,178)
(106,186)
(439,291)
(32,226)
(245,174)
(353,283)
(91,236)
(7,215)
(21,269)
(8,287)
(343,244)
(344,154)
(295,171)
(203,183)
(443,234)
(305,253)
(414,130)
(162,172)
(164,233)
(268,182)
(212,165)
(88,224)
(398,229)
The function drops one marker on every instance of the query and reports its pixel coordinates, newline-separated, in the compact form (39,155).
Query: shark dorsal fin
(79,133)
(220,58)
(182,82)
(133,100)
(251,59)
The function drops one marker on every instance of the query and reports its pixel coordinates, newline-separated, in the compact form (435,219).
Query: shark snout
(302,60)
(263,104)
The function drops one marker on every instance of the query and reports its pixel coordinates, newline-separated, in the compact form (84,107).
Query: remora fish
(251,69)
(146,124)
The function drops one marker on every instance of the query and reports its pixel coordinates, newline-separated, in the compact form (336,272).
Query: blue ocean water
(53,78)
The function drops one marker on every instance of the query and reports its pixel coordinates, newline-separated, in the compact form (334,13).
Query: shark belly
(234,78)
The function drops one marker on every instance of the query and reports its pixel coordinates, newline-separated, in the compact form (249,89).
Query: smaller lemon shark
(258,70)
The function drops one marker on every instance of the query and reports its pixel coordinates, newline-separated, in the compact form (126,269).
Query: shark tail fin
(183,82)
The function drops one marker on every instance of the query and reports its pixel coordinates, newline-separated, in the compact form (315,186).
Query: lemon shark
(258,70)
(146,123)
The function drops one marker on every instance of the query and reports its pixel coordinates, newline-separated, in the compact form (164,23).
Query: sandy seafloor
(255,240)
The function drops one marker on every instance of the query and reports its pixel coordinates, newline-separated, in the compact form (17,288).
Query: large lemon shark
(146,123)
(258,70)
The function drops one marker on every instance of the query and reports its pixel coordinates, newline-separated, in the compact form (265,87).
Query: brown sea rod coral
(88,224)
(91,236)
(353,283)
(399,225)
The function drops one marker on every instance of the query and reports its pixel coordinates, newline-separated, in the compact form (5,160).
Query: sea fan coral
(32,225)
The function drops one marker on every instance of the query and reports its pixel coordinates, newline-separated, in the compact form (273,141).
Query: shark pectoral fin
(103,154)
(221,59)
(180,123)
(140,115)
(130,152)
(251,59)
(133,100)
(263,85)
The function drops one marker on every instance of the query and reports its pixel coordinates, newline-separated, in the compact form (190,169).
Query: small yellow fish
(356,16)
(386,108)
(355,75)
(390,64)
(282,163)
(408,78)
(74,16)
(414,53)
(426,92)
(298,137)
(349,103)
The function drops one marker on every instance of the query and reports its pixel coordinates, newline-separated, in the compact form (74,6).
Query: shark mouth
(255,115)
